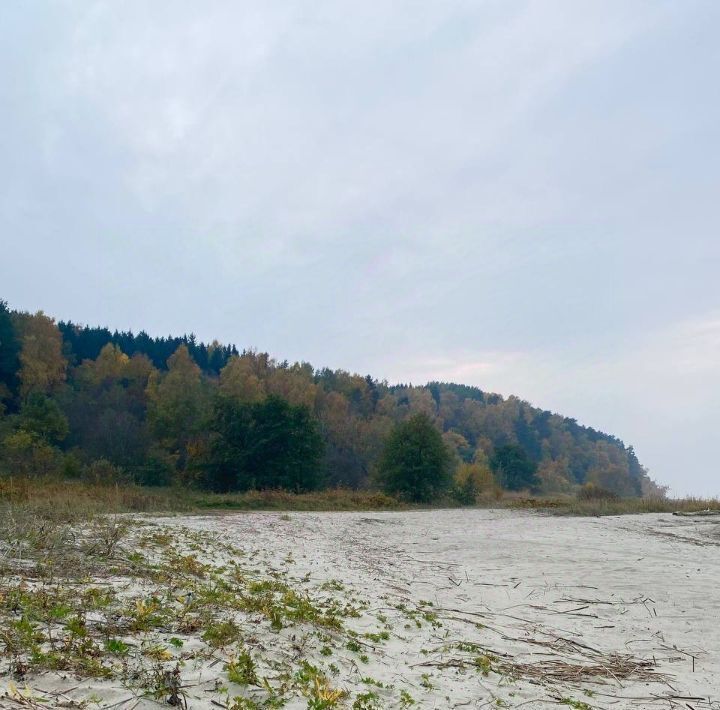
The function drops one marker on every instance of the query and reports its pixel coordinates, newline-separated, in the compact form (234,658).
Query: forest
(84,402)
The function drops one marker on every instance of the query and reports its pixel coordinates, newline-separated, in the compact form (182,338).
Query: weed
(323,697)
(484,663)
(406,700)
(117,647)
(241,703)
(576,704)
(221,634)
(367,701)
(425,682)
(242,669)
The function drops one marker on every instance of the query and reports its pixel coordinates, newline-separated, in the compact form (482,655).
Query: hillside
(84,401)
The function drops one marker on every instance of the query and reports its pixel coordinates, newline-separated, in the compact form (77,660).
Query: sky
(518,195)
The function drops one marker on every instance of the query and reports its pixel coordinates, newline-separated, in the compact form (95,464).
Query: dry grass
(70,501)
(40,518)
(330,499)
(628,506)
(579,506)
(605,668)
(66,501)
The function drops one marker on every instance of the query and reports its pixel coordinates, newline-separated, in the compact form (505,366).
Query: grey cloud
(386,187)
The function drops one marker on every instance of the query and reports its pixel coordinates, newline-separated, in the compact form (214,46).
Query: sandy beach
(432,609)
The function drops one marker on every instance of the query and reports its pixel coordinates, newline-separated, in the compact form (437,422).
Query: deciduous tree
(268,444)
(42,364)
(415,463)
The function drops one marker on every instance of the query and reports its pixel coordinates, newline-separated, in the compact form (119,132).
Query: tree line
(86,402)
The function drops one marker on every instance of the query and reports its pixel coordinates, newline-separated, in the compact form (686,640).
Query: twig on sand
(612,667)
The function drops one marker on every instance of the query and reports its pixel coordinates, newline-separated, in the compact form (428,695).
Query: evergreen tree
(9,351)
(513,468)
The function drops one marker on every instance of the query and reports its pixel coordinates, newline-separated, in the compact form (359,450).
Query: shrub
(103,472)
(591,491)
(158,470)
(27,453)
(472,480)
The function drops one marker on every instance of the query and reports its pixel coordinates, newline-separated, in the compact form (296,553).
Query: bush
(103,472)
(26,453)
(593,492)
(158,470)
(72,466)
(471,481)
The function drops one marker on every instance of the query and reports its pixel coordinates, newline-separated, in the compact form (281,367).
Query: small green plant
(221,634)
(332,585)
(576,704)
(116,647)
(484,663)
(406,700)
(425,682)
(241,703)
(242,669)
(367,701)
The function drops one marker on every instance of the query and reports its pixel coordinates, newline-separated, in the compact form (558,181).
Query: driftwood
(696,513)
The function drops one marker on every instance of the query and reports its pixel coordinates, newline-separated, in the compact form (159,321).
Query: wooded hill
(84,401)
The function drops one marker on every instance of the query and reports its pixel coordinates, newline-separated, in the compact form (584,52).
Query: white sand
(526,588)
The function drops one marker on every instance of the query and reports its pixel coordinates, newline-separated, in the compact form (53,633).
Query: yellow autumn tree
(42,364)
(178,402)
(239,379)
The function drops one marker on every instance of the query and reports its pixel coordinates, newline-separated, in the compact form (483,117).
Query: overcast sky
(523,196)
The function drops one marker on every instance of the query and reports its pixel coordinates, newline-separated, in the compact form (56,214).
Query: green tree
(9,351)
(106,405)
(286,446)
(415,463)
(513,468)
(177,404)
(156,470)
(28,454)
(42,416)
(268,444)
